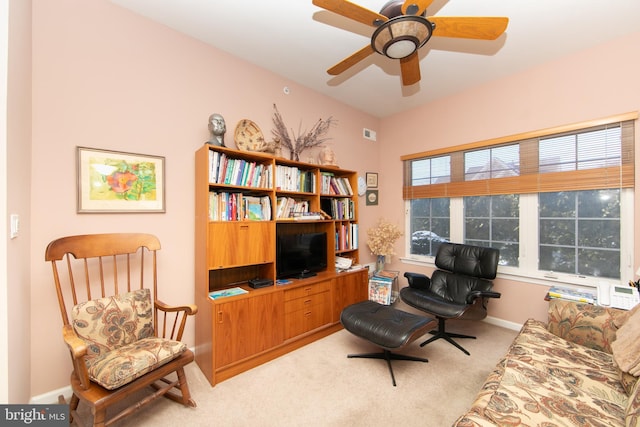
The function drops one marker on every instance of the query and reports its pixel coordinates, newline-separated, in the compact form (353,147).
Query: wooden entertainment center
(239,215)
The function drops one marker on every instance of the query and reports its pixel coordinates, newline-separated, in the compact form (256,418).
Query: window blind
(593,155)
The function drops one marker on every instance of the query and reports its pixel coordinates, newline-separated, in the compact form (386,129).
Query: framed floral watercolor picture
(116,182)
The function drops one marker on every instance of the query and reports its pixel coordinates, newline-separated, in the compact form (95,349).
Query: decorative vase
(380,261)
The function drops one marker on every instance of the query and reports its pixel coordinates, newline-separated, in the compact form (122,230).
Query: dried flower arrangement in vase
(297,144)
(381,240)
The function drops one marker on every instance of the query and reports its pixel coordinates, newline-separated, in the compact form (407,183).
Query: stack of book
(578,295)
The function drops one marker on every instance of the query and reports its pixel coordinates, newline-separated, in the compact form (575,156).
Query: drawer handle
(307,302)
(307,290)
(244,227)
(220,317)
(307,314)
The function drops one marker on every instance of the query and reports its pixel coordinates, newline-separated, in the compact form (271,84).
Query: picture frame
(372,197)
(372,179)
(119,182)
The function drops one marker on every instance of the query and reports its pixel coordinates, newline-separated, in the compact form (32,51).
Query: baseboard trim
(503,323)
(51,397)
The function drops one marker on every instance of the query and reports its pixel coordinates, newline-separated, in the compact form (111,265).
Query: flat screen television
(300,255)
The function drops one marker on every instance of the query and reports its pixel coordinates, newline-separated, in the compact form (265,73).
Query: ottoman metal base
(386,327)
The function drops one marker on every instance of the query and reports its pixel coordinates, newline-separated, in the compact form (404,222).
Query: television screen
(300,255)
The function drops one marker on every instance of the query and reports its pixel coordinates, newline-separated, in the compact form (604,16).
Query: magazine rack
(383,287)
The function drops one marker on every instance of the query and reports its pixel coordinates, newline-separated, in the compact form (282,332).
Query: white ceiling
(299,41)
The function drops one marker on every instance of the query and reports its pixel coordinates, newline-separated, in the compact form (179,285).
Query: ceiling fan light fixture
(399,37)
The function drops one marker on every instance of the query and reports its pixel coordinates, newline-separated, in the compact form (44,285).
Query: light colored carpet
(318,385)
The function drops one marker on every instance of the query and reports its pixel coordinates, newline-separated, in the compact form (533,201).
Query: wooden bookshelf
(235,244)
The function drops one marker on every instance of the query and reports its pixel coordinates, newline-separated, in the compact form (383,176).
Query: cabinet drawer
(315,314)
(305,291)
(306,302)
(236,243)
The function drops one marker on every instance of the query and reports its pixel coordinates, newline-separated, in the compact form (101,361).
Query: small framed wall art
(117,182)
(372,197)
(372,180)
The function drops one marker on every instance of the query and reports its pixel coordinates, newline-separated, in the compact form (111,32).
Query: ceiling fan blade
(350,61)
(410,69)
(415,7)
(351,11)
(482,28)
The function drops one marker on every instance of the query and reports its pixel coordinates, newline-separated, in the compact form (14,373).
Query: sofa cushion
(585,324)
(106,324)
(622,318)
(632,415)
(546,379)
(626,347)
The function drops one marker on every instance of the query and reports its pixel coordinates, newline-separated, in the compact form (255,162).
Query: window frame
(528,235)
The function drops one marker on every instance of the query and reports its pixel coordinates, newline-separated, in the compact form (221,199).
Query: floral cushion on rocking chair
(119,334)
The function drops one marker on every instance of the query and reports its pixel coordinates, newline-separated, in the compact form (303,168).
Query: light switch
(15,225)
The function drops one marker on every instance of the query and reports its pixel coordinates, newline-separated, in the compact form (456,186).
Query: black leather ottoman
(386,327)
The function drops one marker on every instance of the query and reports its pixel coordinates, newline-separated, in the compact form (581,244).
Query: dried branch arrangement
(304,140)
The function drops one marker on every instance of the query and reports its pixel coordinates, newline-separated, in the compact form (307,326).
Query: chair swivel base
(389,356)
(447,336)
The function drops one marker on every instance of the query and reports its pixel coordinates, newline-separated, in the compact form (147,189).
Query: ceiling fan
(401,29)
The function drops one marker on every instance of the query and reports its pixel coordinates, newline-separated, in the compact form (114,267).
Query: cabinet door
(349,289)
(240,243)
(247,326)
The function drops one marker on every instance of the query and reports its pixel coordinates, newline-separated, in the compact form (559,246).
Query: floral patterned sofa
(564,373)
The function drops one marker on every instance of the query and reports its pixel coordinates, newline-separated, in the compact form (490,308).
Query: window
(493,221)
(430,225)
(580,232)
(435,170)
(555,202)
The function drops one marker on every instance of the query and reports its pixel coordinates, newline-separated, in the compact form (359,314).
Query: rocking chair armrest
(78,349)
(189,309)
(76,345)
(473,295)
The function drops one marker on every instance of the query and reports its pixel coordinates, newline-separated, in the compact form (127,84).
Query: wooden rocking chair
(122,339)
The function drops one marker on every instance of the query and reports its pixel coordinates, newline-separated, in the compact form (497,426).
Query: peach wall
(596,83)
(18,198)
(107,78)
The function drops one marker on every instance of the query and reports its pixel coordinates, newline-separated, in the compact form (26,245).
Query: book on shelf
(222,293)
(572,294)
(227,206)
(346,237)
(230,171)
(288,207)
(340,208)
(290,178)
